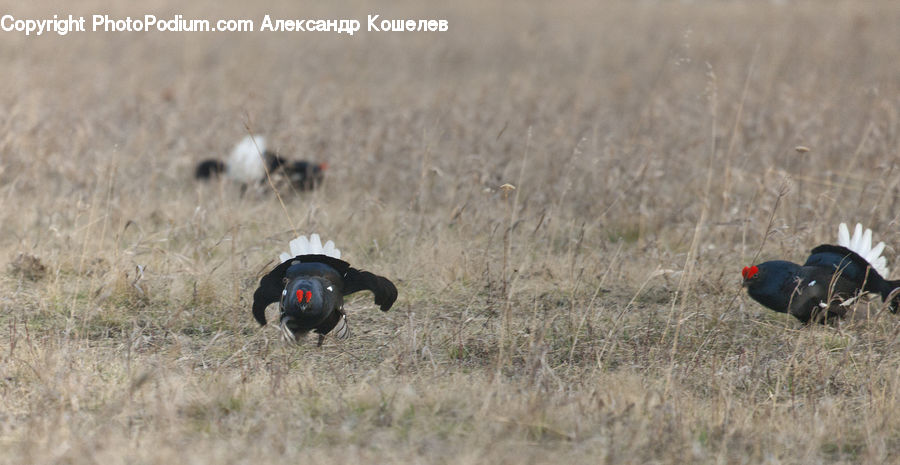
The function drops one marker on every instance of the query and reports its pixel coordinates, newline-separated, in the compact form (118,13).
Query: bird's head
(771,283)
(306,302)
(750,274)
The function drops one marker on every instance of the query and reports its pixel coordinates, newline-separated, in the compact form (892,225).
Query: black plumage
(823,288)
(208,169)
(304,175)
(311,290)
(251,163)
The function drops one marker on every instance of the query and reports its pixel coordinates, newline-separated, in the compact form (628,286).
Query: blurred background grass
(592,315)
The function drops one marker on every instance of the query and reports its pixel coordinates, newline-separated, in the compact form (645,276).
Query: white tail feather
(875,253)
(843,235)
(330,250)
(865,242)
(310,246)
(856,240)
(342,330)
(861,243)
(315,244)
(286,334)
(246,161)
(299,246)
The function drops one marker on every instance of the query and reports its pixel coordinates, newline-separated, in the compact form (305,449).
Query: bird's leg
(321,340)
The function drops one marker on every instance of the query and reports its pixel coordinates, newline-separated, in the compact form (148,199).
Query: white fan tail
(300,246)
(310,246)
(246,164)
(861,243)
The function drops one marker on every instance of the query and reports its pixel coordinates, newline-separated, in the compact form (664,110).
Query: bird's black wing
(272,284)
(384,290)
(855,268)
(269,291)
(852,266)
(821,294)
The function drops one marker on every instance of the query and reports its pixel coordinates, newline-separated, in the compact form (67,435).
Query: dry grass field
(592,315)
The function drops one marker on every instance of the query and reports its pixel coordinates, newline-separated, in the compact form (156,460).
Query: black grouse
(825,287)
(245,165)
(310,285)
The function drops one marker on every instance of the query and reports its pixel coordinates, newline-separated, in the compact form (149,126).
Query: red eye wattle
(308,296)
(749,272)
(299,295)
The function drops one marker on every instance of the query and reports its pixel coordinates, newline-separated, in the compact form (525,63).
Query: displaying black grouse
(249,162)
(826,286)
(310,284)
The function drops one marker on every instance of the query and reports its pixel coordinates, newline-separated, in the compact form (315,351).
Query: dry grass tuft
(28,267)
